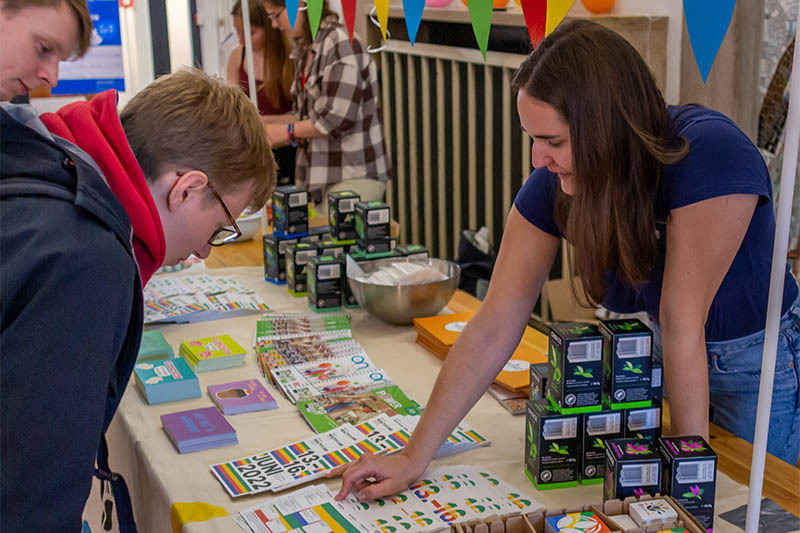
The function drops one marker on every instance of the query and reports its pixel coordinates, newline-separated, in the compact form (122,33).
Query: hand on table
(391,474)
(277,135)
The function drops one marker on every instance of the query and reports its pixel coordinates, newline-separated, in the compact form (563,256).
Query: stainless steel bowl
(399,304)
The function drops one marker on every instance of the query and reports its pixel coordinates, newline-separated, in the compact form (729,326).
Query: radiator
(458,152)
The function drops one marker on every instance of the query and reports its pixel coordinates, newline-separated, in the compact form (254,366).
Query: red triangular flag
(535,12)
(349,11)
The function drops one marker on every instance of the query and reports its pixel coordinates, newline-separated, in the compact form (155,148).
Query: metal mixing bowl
(399,304)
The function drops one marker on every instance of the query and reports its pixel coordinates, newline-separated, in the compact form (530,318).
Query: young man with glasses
(92,202)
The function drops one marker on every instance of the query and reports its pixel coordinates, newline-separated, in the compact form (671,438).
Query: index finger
(355,473)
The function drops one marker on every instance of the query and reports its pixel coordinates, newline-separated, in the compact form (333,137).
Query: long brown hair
(278,67)
(621,138)
(326,12)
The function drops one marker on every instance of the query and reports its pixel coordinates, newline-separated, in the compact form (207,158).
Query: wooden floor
(781,480)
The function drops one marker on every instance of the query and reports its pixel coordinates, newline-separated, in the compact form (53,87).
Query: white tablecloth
(158,476)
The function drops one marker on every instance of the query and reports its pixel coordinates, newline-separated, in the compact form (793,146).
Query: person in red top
(92,202)
(274,72)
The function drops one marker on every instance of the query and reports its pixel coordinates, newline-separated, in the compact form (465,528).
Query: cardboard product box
(373,227)
(627,363)
(380,252)
(342,214)
(413,250)
(323,233)
(329,247)
(642,423)
(633,468)
(685,522)
(274,248)
(575,354)
(552,446)
(538,381)
(589,518)
(596,429)
(656,382)
(325,277)
(290,210)
(690,475)
(297,257)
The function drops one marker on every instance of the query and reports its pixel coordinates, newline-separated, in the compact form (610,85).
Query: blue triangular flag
(413,11)
(707,22)
(291,11)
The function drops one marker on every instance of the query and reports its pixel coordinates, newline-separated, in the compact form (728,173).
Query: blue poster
(101,68)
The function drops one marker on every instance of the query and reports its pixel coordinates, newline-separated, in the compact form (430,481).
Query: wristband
(290,132)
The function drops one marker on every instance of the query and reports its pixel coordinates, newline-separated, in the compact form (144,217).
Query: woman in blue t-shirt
(668,210)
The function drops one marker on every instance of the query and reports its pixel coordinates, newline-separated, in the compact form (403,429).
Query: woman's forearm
(686,377)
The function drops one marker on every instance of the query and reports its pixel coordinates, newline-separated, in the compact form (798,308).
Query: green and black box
(342,214)
(297,257)
(642,423)
(596,429)
(633,468)
(373,226)
(325,275)
(575,355)
(290,210)
(274,247)
(627,363)
(538,381)
(690,475)
(552,446)
(413,250)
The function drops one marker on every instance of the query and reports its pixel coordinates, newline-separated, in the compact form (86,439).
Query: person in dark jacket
(92,202)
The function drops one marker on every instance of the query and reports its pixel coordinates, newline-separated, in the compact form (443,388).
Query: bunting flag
(556,11)
(349,12)
(480,14)
(707,22)
(535,12)
(291,11)
(314,14)
(413,10)
(382,10)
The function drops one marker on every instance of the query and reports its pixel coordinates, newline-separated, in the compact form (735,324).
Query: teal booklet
(154,347)
(166,381)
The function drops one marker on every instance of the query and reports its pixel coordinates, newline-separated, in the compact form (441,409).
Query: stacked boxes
(297,257)
(552,446)
(633,468)
(627,363)
(575,355)
(290,210)
(642,423)
(690,475)
(324,274)
(413,250)
(275,247)
(539,381)
(596,429)
(373,227)
(342,214)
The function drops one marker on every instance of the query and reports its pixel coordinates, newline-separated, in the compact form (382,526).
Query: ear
(186,189)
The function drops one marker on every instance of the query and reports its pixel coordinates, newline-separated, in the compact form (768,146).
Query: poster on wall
(101,68)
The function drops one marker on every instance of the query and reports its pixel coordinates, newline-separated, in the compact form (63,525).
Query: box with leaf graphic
(627,363)
(690,475)
(633,468)
(596,429)
(575,355)
(552,445)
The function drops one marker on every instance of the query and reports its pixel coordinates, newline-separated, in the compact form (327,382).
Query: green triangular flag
(480,13)
(314,14)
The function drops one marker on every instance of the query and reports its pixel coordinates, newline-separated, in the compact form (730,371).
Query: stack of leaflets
(462,439)
(212,353)
(166,381)
(173,298)
(328,412)
(198,429)
(154,347)
(472,494)
(296,387)
(241,397)
(439,333)
(286,326)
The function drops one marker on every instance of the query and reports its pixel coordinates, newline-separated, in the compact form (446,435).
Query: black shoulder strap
(121,495)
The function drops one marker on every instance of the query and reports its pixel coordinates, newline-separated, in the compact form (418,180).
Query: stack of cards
(471,493)
(166,381)
(286,326)
(241,397)
(296,387)
(212,353)
(462,439)
(198,429)
(154,347)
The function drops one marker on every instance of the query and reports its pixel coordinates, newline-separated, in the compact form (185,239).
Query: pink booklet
(241,397)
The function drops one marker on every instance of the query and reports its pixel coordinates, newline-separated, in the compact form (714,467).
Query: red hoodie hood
(94,126)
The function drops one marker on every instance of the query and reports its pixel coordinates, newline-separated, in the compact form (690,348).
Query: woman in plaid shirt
(336,122)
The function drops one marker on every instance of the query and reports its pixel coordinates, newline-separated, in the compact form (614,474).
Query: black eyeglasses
(274,16)
(228,233)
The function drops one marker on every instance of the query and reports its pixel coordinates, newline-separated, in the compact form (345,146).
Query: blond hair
(78,7)
(189,120)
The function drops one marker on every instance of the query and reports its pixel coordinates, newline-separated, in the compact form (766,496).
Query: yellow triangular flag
(382,9)
(556,11)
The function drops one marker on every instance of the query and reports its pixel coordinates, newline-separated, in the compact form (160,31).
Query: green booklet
(328,412)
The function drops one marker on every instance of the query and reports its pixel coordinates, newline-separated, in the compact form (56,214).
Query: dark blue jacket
(70,325)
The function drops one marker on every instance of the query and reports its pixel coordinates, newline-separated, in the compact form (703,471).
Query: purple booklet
(241,397)
(198,429)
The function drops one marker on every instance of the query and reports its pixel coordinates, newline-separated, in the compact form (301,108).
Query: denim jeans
(734,377)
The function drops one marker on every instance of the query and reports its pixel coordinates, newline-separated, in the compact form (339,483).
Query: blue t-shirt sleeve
(536,200)
(721,161)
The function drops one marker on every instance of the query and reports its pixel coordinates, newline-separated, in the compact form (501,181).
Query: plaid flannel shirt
(341,98)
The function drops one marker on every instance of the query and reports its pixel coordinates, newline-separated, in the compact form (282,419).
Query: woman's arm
(525,258)
(232,70)
(279,136)
(702,240)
